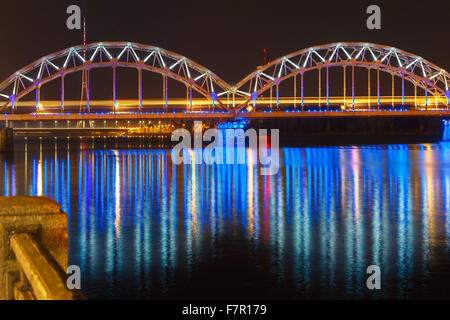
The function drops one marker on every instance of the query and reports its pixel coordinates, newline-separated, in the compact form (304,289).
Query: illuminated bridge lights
(239,124)
(366,55)
(252,90)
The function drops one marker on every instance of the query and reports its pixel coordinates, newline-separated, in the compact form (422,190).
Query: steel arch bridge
(98,55)
(246,94)
(415,69)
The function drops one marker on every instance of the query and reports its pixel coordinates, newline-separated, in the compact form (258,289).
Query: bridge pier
(6,139)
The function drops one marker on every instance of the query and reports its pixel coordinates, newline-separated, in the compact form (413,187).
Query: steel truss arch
(413,68)
(100,54)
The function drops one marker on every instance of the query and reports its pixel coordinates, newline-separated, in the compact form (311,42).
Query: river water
(142,227)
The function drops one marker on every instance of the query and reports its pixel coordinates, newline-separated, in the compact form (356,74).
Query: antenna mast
(84,37)
(84,80)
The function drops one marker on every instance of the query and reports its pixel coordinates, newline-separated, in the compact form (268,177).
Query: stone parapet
(39,217)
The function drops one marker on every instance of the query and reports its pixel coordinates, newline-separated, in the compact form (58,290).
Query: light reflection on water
(143,227)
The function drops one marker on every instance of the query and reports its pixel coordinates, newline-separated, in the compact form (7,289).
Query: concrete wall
(6,139)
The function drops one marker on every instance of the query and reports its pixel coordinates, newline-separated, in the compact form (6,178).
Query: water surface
(141,227)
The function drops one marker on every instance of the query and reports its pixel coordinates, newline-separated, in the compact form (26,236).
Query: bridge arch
(415,69)
(100,54)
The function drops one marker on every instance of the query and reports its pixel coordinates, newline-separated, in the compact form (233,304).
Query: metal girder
(131,55)
(415,69)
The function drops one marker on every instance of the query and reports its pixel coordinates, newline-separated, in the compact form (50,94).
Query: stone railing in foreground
(33,250)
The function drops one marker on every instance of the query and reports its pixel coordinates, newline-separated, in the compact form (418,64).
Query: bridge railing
(33,250)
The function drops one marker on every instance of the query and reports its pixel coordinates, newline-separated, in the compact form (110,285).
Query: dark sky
(226,36)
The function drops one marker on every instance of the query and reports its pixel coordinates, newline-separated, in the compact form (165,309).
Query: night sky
(227,37)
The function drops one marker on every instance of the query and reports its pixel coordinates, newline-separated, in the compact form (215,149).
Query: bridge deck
(221,116)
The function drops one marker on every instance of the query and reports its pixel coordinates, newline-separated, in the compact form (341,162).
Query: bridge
(344,79)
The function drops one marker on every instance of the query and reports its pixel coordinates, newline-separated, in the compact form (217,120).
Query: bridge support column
(270,103)
(415,96)
(38,96)
(165,91)
(301,80)
(278,97)
(345,86)
(88,83)
(187,99)
(320,85)
(403,89)
(393,91)
(140,87)
(295,91)
(368,88)
(62,92)
(13,102)
(447,96)
(353,87)
(378,87)
(435,98)
(328,91)
(114,90)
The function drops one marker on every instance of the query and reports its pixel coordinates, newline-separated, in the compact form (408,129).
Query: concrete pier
(6,139)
